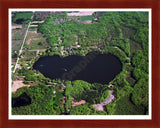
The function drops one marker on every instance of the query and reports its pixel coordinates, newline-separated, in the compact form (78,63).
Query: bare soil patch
(31,39)
(17,84)
(14,60)
(16,26)
(33,25)
(81,13)
(35,22)
(78,103)
(28,41)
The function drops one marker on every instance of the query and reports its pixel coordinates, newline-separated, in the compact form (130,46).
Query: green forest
(123,34)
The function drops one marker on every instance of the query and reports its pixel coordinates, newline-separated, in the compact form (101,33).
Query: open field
(17,39)
(40,15)
(16,45)
(18,34)
(34,41)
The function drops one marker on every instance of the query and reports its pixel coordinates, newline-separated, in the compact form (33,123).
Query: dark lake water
(22,100)
(20,21)
(93,68)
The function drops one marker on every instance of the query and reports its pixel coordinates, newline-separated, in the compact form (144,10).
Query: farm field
(35,41)
(17,40)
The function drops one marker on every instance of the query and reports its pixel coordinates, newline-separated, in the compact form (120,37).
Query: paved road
(20,51)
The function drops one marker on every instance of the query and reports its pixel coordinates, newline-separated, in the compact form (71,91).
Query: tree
(140,93)
(80,110)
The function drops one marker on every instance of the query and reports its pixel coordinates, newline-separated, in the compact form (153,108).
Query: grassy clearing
(130,79)
(16,44)
(37,44)
(28,55)
(134,46)
(86,18)
(32,29)
(128,34)
(22,17)
(125,107)
(18,34)
(35,41)
(17,38)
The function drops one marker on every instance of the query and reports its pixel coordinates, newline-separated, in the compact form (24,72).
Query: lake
(93,68)
(22,100)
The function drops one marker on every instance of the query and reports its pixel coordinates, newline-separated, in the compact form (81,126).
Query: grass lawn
(16,44)
(37,44)
(18,34)
(130,79)
(28,55)
(35,41)
(17,38)
(134,46)
(32,29)
(86,18)
(22,15)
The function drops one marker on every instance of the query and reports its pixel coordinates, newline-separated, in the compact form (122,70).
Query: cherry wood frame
(4,13)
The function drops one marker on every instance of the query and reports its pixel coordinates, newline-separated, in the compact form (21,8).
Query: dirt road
(78,103)
(100,107)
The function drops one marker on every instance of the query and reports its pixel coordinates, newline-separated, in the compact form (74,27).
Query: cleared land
(74,104)
(100,107)
(81,13)
(34,41)
(16,26)
(17,85)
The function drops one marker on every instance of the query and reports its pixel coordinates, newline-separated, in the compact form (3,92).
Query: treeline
(31,76)
(140,73)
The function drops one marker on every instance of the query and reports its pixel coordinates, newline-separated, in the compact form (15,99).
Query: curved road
(100,107)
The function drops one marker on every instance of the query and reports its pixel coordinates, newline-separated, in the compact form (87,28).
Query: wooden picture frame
(4,12)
